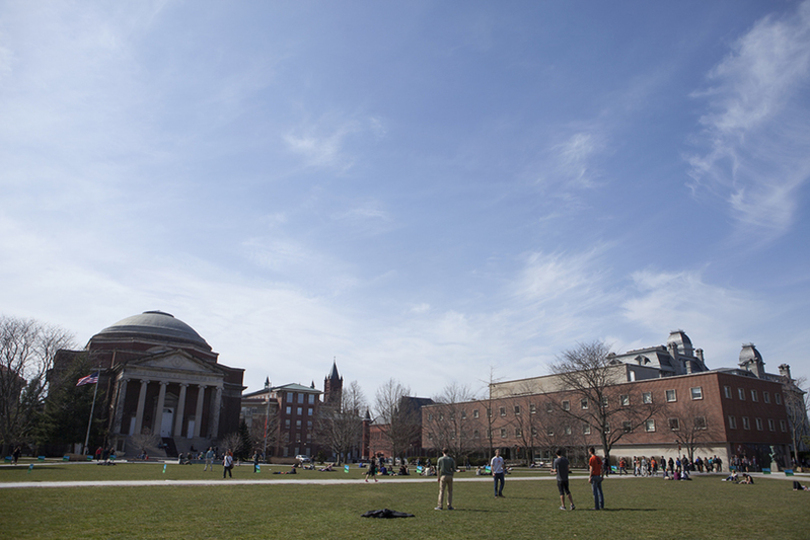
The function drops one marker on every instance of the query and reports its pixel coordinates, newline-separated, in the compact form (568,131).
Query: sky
(434,192)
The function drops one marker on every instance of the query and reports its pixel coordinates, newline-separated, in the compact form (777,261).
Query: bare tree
(233,442)
(590,379)
(449,420)
(146,441)
(27,350)
(691,428)
(341,429)
(397,419)
(796,406)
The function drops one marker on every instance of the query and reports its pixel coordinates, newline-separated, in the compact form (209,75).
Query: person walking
(209,459)
(372,469)
(561,467)
(498,472)
(595,479)
(445,468)
(227,464)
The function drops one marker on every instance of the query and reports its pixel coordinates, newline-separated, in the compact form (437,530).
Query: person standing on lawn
(209,459)
(227,464)
(445,468)
(595,479)
(561,467)
(498,472)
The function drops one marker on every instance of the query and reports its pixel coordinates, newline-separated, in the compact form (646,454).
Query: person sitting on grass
(746,479)
(328,468)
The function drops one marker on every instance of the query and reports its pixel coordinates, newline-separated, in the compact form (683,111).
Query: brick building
(689,409)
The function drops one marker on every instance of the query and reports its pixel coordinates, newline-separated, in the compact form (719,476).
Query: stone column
(199,411)
(119,407)
(158,421)
(141,404)
(181,410)
(214,430)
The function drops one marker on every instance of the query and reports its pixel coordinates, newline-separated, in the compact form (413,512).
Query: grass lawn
(636,507)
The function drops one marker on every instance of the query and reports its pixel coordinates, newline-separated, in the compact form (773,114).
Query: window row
(287,424)
(746,423)
(741,393)
(299,411)
(300,397)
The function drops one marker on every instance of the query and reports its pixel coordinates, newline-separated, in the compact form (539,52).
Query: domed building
(160,376)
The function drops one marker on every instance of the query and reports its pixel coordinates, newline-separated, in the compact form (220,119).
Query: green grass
(636,508)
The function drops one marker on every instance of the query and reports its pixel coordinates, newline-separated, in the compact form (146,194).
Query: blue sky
(423,190)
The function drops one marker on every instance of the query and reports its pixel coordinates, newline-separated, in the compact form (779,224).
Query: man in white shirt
(498,473)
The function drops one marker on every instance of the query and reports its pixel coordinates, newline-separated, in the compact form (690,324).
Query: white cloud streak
(756,127)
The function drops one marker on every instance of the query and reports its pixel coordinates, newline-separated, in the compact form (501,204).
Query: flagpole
(90,420)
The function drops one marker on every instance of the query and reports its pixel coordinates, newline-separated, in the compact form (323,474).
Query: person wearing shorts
(561,467)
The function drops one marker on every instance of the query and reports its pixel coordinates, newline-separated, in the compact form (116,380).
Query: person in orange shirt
(595,479)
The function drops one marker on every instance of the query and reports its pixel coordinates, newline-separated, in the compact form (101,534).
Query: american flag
(90,379)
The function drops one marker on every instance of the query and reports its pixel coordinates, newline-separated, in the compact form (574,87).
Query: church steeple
(333,385)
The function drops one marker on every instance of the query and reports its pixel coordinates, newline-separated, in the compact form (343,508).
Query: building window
(568,430)
(312,399)
(697,392)
(586,429)
(646,397)
(299,411)
(700,422)
(430,436)
(517,409)
(532,409)
(625,400)
(290,397)
(671,396)
(741,394)
(778,397)
(766,396)
(476,435)
(475,413)
(489,413)
(287,423)
(518,432)
(604,401)
(566,406)
(534,431)
(289,409)
(754,396)
(549,407)
(649,425)
(430,417)
(607,427)
(758,422)
(463,415)
(674,424)
(783,426)
(627,427)
(732,422)
(300,398)
(503,411)
(727,391)
(309,411)
(309,424)
(746,423)
(583,403)
(550,432)
(298,423)
(489,433)
(771,425)
(503,433)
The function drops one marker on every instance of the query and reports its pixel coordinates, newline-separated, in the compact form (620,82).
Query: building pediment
(175,365)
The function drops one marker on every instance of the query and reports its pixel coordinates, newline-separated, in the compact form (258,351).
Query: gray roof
(155,324)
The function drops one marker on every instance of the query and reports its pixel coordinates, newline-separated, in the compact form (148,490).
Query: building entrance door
(166,422)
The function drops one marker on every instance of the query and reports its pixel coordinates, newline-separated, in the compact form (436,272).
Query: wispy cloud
(755,131)
(570,164)
(325,143)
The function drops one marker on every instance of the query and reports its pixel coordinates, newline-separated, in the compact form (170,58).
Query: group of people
(446,468)
(673,468)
